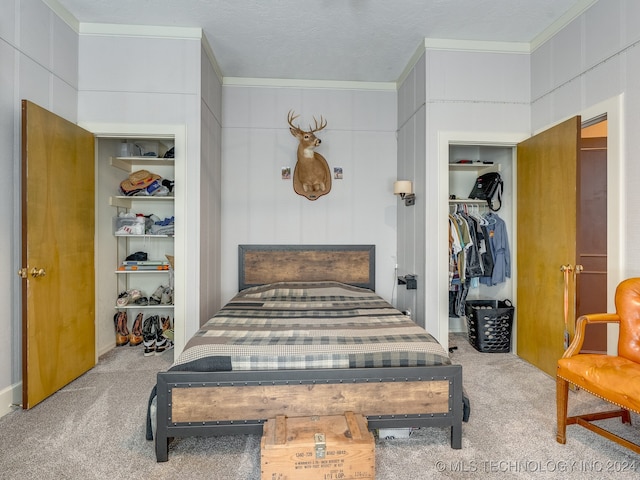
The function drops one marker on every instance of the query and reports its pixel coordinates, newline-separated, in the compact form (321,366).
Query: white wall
(412,166)
(259,207)
(594,59)
(38,64)
(471,92)
(137,77)
(210,190)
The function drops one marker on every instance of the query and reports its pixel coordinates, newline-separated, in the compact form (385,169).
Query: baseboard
(457,325)
(10,398)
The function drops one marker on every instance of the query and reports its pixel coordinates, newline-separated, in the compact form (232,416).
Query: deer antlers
(291,117)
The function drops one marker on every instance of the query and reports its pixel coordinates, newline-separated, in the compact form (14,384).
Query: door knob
(37,272)
(22,273)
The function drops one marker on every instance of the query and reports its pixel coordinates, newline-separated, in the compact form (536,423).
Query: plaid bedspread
(308,325)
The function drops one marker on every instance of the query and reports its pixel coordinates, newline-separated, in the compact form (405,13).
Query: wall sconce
(404,188)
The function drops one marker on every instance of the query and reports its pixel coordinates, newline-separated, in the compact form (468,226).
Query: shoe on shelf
(156,297)
(134,294)
(123,299)
(135,337)
(162,342)
(167,296)
(167,329)
(122,331)
(149,335)
(142,301)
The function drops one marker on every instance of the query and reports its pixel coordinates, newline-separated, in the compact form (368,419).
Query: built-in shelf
(129,235)
(479,167)
(125,201)
(140,272)
(143,307)
(128,164)
(470,201)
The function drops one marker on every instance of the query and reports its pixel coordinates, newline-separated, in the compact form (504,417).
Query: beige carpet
(95,429)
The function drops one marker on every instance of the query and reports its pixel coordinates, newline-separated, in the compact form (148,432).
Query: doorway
(591,240)
(106,185)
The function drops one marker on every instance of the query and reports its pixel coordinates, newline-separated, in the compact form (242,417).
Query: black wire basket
(489,324)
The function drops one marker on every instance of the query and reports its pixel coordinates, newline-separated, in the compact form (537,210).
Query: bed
(306,335)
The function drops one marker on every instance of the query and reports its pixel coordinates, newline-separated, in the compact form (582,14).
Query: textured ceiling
(345,40)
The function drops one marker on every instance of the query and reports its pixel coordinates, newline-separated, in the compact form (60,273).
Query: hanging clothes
(499,242)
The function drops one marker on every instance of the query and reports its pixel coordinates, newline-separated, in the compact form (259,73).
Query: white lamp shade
(402,187)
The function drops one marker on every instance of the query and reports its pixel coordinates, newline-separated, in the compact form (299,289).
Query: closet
(466,163)
(149,147)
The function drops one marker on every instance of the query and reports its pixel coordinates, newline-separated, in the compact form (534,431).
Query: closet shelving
(468,160)
(157,245)
(462,177)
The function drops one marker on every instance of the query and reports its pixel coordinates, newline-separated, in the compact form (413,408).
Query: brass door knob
(22,273)
(37,272)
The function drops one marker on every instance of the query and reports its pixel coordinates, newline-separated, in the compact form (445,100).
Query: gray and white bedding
(305,325)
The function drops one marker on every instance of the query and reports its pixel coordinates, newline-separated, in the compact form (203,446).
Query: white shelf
(468,201)
(140,272)
(144,307)
(128,235)
(128,164)
(126,201)
(479,167)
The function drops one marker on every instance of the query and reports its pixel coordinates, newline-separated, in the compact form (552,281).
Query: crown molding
(295,83)
(153,31)
(569,16)
(212,58)
(63,13)
(475,46)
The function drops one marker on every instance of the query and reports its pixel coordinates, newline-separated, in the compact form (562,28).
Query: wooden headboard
(350,264)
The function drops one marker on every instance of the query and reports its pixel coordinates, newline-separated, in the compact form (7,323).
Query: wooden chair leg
(562,398)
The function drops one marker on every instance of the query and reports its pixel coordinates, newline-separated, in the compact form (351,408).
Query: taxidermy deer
(311,177)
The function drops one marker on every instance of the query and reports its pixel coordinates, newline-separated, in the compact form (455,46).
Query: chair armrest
(581,325)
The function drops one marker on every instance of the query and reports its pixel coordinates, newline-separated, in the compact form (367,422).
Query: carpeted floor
(95,428)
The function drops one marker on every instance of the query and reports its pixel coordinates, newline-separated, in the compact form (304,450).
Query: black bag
(486,187)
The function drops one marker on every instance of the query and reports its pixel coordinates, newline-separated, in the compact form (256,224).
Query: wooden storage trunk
(323,447)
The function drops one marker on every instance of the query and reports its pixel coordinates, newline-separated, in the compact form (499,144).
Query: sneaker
(142,301)
(149,335)
(167,296)
(161,341)
(156,297)
(123,299)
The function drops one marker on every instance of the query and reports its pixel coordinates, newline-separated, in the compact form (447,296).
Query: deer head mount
(311,177)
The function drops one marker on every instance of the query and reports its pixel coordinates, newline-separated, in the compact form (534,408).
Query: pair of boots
(157,335)
(122,330)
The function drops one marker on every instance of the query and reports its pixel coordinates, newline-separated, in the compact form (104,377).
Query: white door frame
(445,139)
(179,133)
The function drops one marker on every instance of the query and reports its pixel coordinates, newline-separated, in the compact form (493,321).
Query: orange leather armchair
(615,379)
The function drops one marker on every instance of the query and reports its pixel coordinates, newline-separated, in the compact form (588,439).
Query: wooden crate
(321,447)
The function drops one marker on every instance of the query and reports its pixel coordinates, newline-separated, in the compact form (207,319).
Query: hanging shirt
(500,249)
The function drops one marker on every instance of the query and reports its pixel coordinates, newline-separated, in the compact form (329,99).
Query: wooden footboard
(220,403)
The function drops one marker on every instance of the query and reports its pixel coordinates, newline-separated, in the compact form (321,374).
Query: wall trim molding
(296,83)
(476,46)
(151,31)
(10,398)
(569,16)
(63,13)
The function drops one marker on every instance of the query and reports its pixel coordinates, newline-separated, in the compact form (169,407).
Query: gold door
(546,240)
(58,292)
